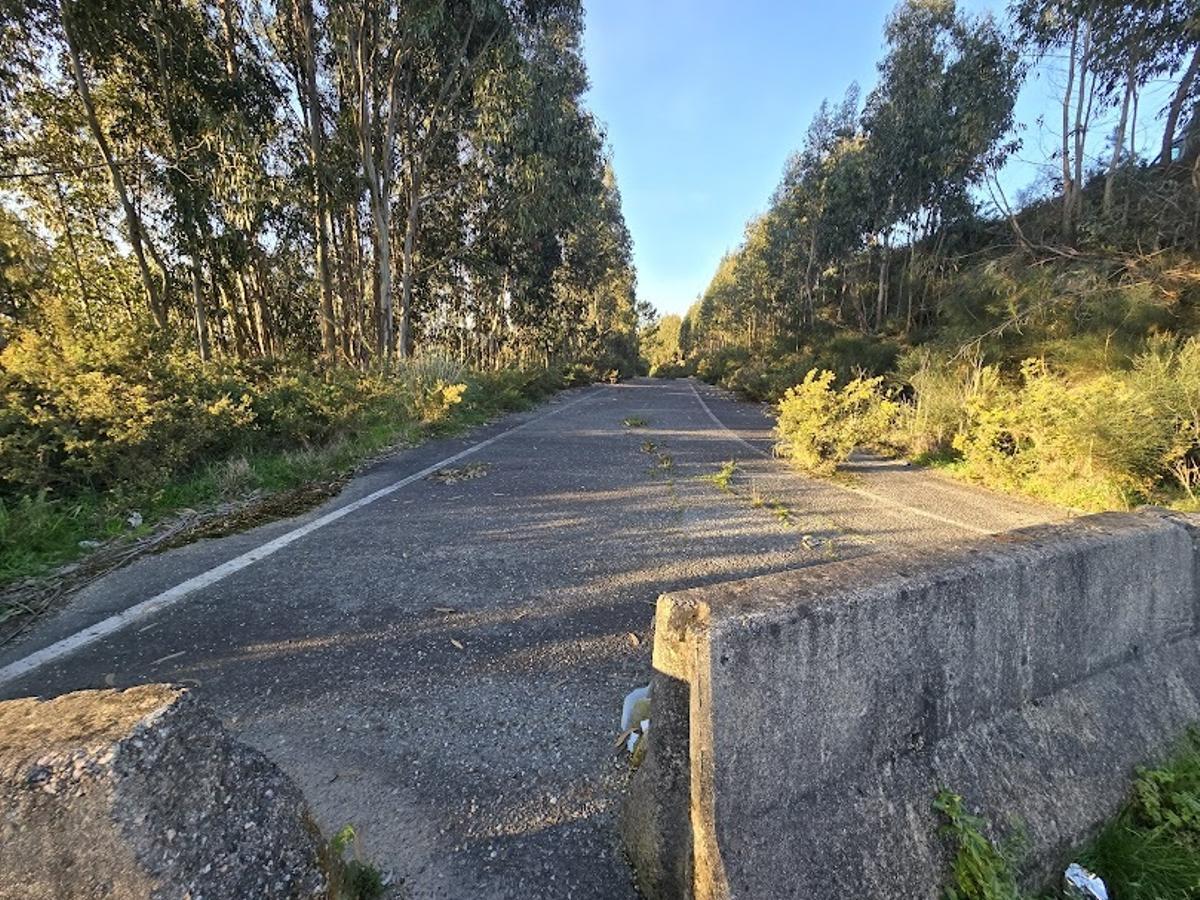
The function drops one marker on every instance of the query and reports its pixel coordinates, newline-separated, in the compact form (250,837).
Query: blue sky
(703,101)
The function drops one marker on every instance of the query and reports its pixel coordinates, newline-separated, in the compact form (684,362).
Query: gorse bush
(820,425)
(91,414)
(1109,441)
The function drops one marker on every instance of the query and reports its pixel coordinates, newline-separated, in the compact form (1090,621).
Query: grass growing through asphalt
(723,477)
(634,422)
(1149,851)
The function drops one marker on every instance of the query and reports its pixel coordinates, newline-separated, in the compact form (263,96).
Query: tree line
(883,203)
(356,179)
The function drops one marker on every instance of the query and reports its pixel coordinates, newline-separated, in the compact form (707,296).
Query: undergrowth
(1149,851)
(80,455)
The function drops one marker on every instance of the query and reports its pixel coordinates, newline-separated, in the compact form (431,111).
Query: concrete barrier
(803,723)
(139,794)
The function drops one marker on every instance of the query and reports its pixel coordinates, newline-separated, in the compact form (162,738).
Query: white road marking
(171,596)
(869,495)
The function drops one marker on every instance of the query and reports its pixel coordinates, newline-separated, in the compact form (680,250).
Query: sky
(703,101)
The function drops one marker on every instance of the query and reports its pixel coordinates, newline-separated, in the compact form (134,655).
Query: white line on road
(171,596)
(869,495)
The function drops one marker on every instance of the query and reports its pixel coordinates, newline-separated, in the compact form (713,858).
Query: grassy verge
(1150,851)
(40,532)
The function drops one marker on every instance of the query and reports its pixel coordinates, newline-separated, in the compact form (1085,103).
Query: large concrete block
(810,718)
(142,794)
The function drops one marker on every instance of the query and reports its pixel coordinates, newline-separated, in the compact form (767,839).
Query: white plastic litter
(636,710)
(1081,883)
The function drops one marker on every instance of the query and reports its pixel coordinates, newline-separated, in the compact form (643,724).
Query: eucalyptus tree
(936,121)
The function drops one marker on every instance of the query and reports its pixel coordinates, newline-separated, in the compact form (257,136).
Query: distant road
(438,655)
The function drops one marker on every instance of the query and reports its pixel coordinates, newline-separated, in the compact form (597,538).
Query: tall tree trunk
(316,150)
(1176,107)
(271,340)
(408,269)
(881,295)
(1119,136)
(198,312)
(1068,207)
(69,233)
(1083,108)
(185,197)
(133,222)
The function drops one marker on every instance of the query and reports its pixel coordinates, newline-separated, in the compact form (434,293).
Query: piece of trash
(88,545)
(634,640)
(1080,883)
(635,715)
(457,644)
(135,520)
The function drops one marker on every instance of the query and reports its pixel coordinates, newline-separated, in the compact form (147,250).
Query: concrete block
(811,717)
(141,793)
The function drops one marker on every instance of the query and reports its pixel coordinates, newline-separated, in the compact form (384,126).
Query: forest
(244,243)
(893,293)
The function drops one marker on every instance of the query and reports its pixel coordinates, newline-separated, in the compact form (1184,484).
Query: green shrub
(1113,440)
(1151,850)
(820,425)
(941,393)
(718,367)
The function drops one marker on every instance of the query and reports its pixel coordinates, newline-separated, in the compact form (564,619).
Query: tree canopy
(354,179)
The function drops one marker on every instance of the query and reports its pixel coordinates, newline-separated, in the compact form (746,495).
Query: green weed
(723,477)
(981,870)
(351,879)
(634,422)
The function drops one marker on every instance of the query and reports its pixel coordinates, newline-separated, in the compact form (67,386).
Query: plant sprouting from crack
(353,878)
(723,477)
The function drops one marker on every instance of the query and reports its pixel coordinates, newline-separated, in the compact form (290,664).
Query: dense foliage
(1042,347)
(358,179)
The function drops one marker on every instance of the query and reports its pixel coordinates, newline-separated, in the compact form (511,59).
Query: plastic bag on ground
(1082,884)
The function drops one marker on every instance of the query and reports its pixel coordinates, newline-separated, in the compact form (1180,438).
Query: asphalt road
(441,662)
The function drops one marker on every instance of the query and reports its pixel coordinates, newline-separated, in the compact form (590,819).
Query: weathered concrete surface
(142,794)
(803,722)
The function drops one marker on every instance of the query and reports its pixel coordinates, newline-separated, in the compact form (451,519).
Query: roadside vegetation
(893,296)
(111,448)
(245,246)
(1149,851)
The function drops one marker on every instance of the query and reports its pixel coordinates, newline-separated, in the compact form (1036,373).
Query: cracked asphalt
(444,667)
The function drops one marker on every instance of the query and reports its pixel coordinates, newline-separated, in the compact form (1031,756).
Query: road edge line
(164,599)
